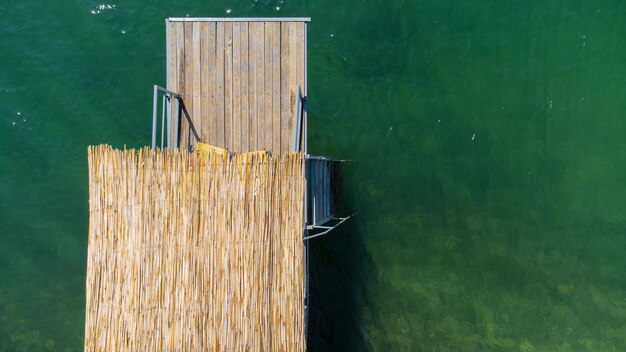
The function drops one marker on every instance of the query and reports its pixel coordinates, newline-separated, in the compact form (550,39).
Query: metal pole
(177,126)
(154,116)
(297,123)
(313,188)
(192,128)
(163,120)
(167,75)
(169,121)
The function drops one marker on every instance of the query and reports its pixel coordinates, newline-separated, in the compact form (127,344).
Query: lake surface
(489,140)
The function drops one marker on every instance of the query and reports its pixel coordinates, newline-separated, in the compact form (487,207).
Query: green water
(490,183)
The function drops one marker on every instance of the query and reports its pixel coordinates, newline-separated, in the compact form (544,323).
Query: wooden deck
(238,77)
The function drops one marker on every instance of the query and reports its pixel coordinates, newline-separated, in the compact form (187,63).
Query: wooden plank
(172,77)
(243,83)
(253,95)
(260,84)
(276,44)
(285,99)
(236,141)
(204,80)
(293,74)
(180,68)
(267,116)
(300,56)
(228,85)
(196,57)
(219,101)
(188,97)
(306,88)
(182,81)
(212,84)
(245,115)
(300,69)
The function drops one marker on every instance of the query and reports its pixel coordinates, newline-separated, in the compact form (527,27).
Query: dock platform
(200,242)
(238,78)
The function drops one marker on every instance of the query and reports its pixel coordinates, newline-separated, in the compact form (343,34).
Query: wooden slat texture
(238,80)
(219,101)
(267,117)
(196,57)
(172,83)
(189,71)
(300,55)
(300,65)
(293,74)
(211,138)
(180,62)
(260,85)
(236,141)
(305,90)
(252,77)
(228,85)
(204,80)
(275,95)
(285,98)
(245,112)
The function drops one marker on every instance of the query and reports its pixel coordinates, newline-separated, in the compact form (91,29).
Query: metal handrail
(326,229)
(166,119)
(298,120)
(183,108)
(321,185)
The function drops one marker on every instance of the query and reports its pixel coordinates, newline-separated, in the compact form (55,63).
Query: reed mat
(194,251)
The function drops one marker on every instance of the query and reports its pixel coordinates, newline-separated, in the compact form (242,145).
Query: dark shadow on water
(339,264)
(339,268)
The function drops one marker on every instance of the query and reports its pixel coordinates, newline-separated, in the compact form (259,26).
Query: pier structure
(202,240)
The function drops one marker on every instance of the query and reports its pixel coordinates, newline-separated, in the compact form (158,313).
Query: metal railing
(320,175)
(322,185)
(299,122)
(167,109)
(320,172)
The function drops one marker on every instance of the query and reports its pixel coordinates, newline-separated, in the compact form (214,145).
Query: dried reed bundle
(194,252)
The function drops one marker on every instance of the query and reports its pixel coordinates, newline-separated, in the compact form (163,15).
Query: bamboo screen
(194,252)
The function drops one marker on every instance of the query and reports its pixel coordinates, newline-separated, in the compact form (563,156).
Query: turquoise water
(489,179)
